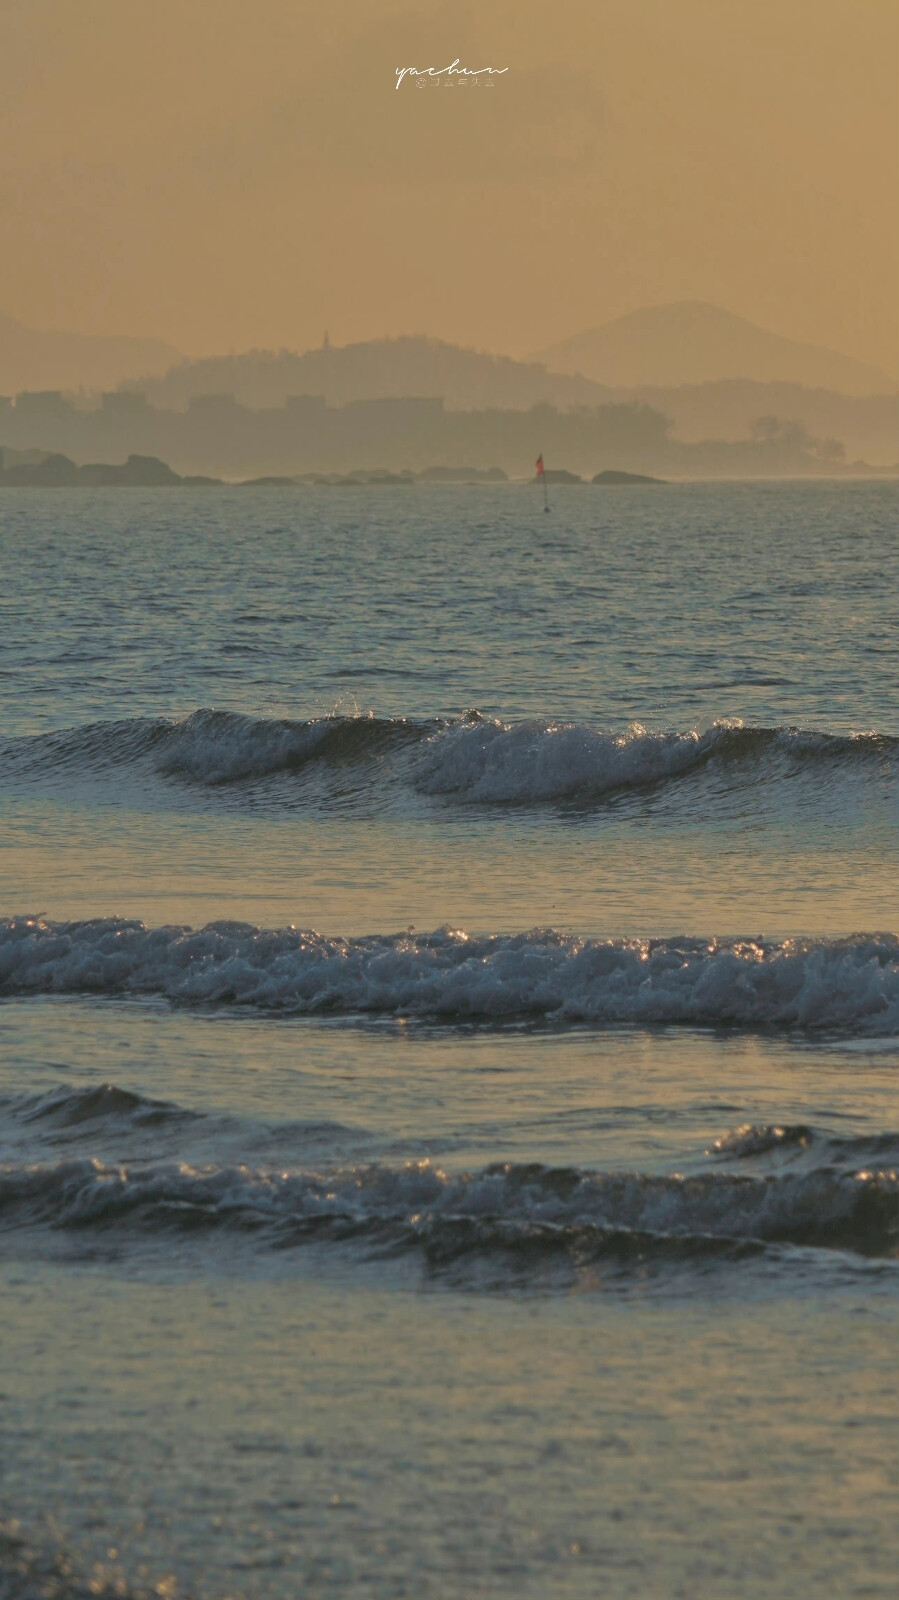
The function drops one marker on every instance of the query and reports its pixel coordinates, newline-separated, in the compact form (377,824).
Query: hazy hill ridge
(688,348)
(691,342)
(34,359)
(866,424)
(406,378)
(406,367)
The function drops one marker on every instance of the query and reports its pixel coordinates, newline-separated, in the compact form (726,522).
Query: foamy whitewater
(449,1009)
(851,984)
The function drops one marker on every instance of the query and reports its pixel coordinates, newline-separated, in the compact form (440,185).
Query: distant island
(610,477)
(35,469)
(46,469)
(49,470)
(54,471)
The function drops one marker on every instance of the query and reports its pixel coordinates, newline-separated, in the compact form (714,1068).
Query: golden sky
(231,173)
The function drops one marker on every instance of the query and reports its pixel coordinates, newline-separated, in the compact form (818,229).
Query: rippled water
(449,1005)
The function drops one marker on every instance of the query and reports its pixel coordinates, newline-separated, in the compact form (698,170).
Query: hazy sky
(228,173)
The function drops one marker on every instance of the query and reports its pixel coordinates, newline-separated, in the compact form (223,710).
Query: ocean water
(449,1042)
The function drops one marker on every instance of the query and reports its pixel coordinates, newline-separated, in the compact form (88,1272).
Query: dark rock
(270,482)
(138,472)
(54,472)
(463,475)
(624,477)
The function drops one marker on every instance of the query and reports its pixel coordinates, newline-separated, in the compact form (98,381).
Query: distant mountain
(30,359)
(692,342)
(466,380)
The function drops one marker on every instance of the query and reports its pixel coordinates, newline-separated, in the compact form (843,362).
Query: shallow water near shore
(449,1036)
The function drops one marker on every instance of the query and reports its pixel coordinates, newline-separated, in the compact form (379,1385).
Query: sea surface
(449,1042)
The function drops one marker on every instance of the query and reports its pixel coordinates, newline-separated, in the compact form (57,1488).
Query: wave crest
(471,759)
(850,984)
(491,762)
(562,1211)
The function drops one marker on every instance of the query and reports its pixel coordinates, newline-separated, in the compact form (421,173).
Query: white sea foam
(849,984)
(756,1139)
(493,762)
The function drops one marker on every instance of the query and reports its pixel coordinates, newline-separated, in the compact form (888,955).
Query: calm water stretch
(449,1007)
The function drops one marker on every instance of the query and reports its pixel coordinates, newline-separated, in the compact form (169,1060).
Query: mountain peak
(36,359)
(693,341)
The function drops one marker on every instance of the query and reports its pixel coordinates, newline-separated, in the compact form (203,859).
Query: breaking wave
(502,1209)
(472,759)
(847,984)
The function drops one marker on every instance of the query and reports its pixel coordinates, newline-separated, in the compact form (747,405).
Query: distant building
(398,410)
(305,405)
(43,405)
(124,403)
(212,404)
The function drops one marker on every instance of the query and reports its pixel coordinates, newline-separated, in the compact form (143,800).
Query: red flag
(539,465)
